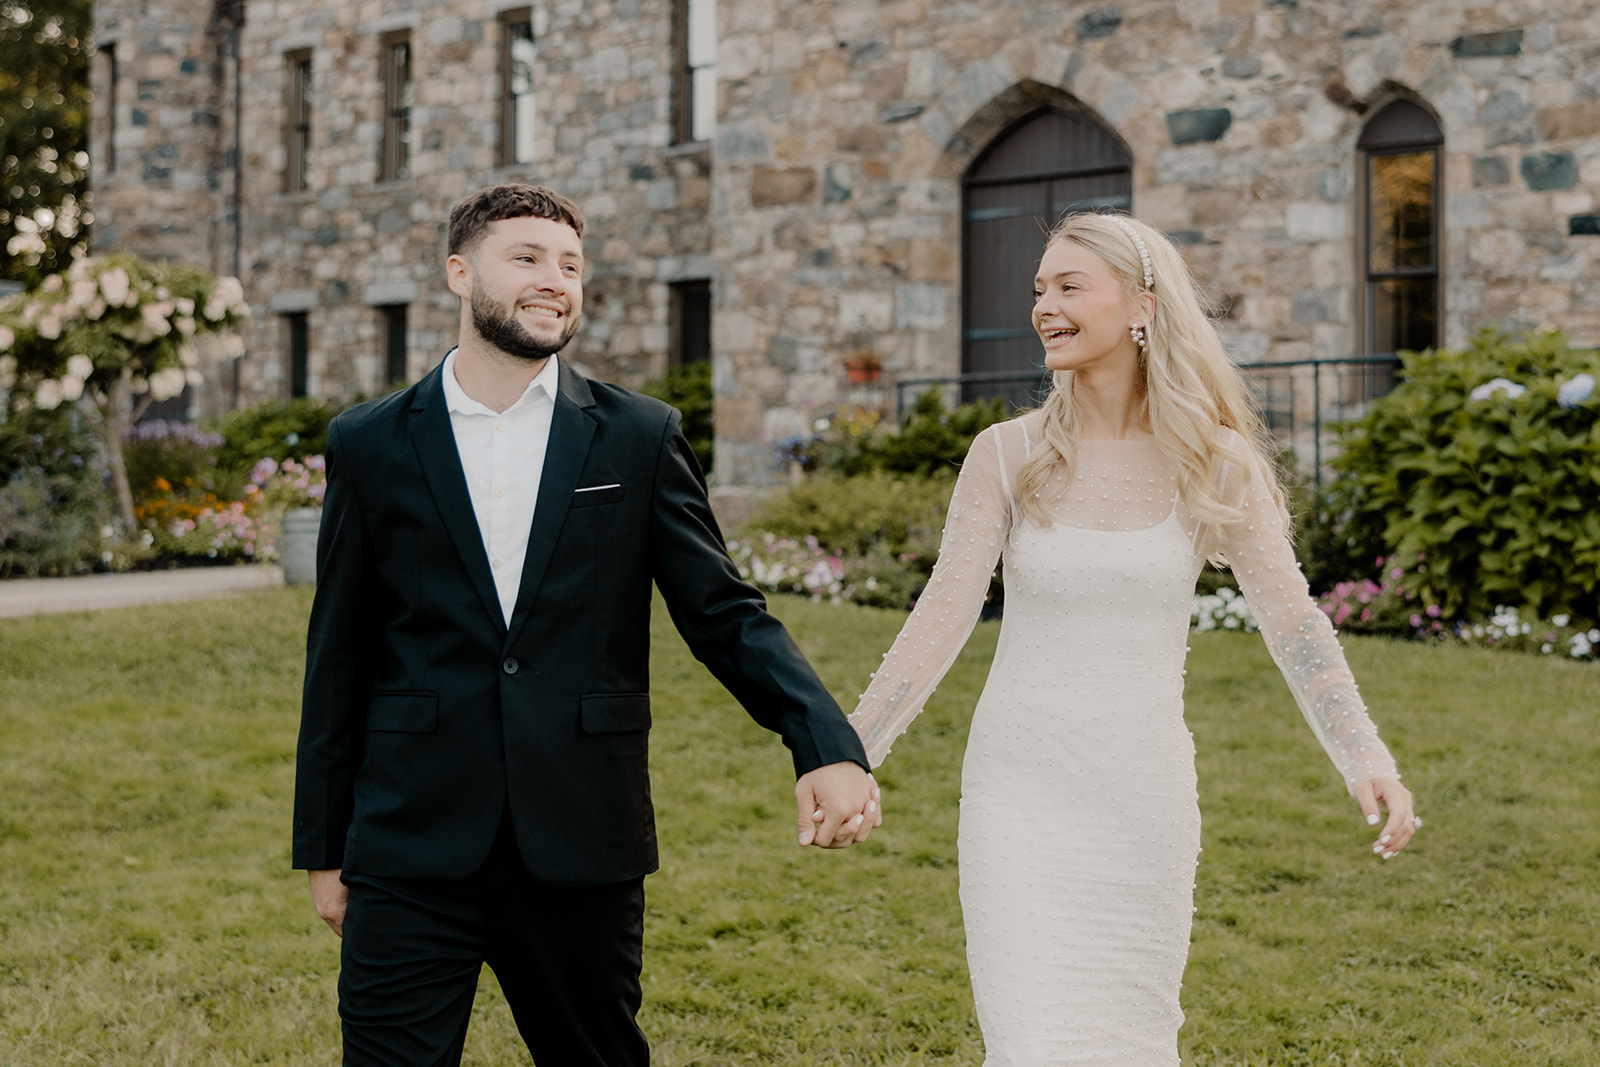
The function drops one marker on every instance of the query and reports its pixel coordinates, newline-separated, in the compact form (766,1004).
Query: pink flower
(1365,615)
(1434,611)
(1416,622)
(1342,614)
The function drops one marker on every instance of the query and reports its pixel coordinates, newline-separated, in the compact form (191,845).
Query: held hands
(329,896)
(1396,833)
(838,805)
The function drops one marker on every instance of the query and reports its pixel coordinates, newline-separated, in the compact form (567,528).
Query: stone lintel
(398,291)
(290,300)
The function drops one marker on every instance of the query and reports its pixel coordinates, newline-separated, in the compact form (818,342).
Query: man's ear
(458,276)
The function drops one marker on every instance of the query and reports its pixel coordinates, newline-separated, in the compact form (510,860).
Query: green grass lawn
(148,914)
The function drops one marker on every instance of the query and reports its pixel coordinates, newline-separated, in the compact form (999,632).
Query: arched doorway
(1050,162)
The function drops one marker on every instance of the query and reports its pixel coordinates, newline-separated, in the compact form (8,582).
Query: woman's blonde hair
(1191,390)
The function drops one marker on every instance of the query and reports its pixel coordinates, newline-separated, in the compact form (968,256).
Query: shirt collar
(546,382)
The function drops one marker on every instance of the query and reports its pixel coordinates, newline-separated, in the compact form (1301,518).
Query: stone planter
(297,551)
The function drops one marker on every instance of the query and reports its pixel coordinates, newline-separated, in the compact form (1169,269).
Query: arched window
(1400,259)
(1048,163)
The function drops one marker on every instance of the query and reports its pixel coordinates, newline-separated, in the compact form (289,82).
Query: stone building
(784,185)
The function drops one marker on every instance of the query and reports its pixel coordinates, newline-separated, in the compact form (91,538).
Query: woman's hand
(1403,821)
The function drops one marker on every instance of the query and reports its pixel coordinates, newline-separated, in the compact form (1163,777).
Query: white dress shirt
(502,455)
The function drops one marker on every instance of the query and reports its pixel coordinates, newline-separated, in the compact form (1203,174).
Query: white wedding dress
(1080,827)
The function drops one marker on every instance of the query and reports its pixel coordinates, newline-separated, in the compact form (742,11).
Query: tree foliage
(44,135)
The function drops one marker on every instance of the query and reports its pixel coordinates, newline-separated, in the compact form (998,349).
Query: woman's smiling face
(1081,311)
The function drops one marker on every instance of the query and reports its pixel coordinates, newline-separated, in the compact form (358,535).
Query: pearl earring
(1137,332)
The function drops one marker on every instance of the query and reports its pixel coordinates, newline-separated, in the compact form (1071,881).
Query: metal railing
(1298,399)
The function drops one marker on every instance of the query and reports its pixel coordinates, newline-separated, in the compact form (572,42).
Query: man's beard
(502,330)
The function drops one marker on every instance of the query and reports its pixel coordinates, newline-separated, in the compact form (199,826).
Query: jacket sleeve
(725,622)
(341,641)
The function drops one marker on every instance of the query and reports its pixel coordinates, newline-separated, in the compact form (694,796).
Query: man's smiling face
(524,282)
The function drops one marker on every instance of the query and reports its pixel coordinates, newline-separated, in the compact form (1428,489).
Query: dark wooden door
(1048,164)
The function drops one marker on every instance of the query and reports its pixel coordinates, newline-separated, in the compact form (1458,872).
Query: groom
(471,782)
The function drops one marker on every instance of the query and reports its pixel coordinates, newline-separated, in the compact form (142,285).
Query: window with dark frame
(397,95)
(297,125)
(516,98)
(1400,148)
(694,40)
(297,324)
(689,323)
(105,111)
(393,317)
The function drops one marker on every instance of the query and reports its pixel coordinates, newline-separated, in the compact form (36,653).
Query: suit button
(511,666)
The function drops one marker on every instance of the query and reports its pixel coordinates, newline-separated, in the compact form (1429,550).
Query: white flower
(96,308)
(49,326)
(80,366)
(114,285)
(1560,620)
(8,337)
(47,395)
(1576,391)
(8,371)
(185,306)
(71,388)
(52,284)
(167,383)
(84,292)
(155,318)
(232,346)
(1498,385)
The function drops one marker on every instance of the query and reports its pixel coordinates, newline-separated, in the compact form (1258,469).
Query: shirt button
(495,563)
(511,666)
(499,490)
(499,427)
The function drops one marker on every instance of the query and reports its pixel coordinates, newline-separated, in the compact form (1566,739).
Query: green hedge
(1493,501)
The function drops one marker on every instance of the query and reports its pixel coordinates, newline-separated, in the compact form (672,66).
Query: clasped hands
(838,805)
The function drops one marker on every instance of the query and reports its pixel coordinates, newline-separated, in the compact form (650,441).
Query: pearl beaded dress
(1080,826)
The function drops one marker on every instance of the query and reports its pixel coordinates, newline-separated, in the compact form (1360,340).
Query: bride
(1080,827)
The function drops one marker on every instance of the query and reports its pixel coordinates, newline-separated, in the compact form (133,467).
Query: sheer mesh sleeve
(976,527)
(1298,634)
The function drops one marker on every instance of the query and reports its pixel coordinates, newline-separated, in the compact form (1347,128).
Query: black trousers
(568,959)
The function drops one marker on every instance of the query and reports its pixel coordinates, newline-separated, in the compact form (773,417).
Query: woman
(1079,822)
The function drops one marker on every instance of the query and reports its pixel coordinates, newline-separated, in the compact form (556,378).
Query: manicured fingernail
(1376,849)
(1372,820)
(1388,855)
(817,815)
(1384,840)
(873,806)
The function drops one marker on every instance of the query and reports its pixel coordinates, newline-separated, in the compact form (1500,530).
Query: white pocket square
(597,488)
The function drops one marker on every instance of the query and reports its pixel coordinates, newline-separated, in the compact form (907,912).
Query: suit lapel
(435,441)
(571,430)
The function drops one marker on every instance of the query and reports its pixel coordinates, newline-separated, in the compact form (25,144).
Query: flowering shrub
(180,452)
(119,332)
(197,525)
(1223,610)
(776,564)
(1483,461)
(279,487)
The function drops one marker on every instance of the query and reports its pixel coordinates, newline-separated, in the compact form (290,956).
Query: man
(471,781)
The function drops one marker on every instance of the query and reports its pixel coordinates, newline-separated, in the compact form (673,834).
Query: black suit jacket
(425,716)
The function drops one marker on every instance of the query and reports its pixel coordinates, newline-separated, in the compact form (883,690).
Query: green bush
(1497,499)
(279,429)
(853,515)
(931,439)
(688,388)
(179,453)
(53,501)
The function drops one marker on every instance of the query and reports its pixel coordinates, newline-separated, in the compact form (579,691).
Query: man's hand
(839,805)
(329,895)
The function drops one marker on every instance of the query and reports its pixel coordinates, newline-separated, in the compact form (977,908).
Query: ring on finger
(1416,822)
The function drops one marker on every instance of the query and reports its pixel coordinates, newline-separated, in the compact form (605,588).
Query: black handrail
(1377,375)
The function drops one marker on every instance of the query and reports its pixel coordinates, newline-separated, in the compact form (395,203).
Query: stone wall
(829,206)
(351,243)
(845,128)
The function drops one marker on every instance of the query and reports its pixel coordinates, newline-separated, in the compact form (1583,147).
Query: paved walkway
(91,592)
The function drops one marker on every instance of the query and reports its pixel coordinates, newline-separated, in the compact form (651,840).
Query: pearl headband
(1144,253)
